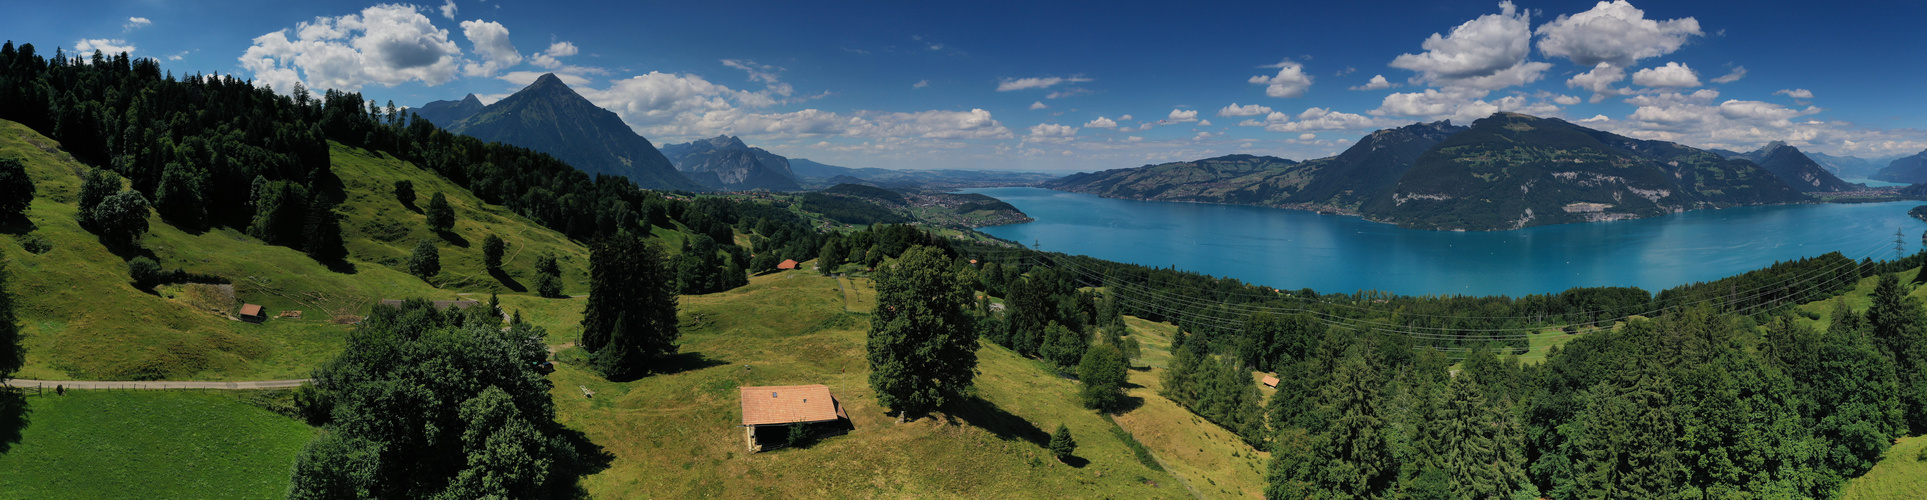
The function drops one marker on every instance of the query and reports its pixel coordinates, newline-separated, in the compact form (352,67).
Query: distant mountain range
(1909,169)
(446,113)
(1506,171)
(550,117)
(1797,169)
(726,163)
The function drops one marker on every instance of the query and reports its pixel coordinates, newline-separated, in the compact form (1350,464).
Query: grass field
(1211,460)
(149,445)
(676,436)
(84,320)
(1900,475)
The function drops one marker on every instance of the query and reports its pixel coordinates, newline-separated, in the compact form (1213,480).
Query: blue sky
(1037,85)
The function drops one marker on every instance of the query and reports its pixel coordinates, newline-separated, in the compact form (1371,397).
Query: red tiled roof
(788,404)
(787,264)
(250,310)
(1271,381)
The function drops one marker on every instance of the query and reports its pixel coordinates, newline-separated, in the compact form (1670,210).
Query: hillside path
(158,384)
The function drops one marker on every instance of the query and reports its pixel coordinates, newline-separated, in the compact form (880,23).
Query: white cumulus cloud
(1182,115)
(1487,53)
(1377,82)
(1101,122)
(1600,81)
(384,44)
(448,9)
(920,84)
(550,58)
(1246,110)
(1037,105)
(1671,75)
(1052,130)
(134,23)
(1462,106)
(1795,93)
(86,46)
(1615,33)
(1291,81)
(491,41)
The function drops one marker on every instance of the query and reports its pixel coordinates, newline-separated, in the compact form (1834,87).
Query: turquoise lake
(1291,249)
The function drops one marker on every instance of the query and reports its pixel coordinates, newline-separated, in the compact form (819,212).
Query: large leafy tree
(426,261)
(424,404)
(121,218)
(492,250)
(99,184)
(922,344)
(630,320)
(16,189)
(1103,373)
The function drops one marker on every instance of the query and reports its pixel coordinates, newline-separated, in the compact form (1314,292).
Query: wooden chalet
(253,313)
(769,411)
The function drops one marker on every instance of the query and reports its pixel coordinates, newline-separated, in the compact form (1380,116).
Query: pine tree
(1352,453)
(426,261)
(922,345)
(441,216)
(323,233)
(1061,443)
(630,319)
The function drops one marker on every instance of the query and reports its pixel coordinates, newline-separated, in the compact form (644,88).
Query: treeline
(214,151)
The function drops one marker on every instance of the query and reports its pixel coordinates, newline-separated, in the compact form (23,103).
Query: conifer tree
(922,344)
(12,357)
(1061,443)
(630,319)
(441,216)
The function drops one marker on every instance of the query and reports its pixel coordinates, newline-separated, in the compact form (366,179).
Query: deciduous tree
(922,345)
(426,261)
(16,189)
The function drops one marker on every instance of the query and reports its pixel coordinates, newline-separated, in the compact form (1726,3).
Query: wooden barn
(253,313)
(1271,381)
(787,264)
(769,411)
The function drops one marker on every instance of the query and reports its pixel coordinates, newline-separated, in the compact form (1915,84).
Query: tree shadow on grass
(16,224)
(341,266)
(987,416)
(591,458)
(452,238)
(1125,405)
(13,416)
(507,281)
(666,365)
(1075,461)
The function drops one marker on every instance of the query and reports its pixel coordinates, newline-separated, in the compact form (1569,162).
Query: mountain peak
(726,142)
(471,99)
(547,80)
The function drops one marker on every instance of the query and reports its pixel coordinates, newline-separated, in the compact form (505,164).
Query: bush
(36,244)
(145,272)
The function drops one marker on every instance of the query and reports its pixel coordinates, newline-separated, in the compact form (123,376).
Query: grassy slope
(1209,459)
(675,435)
(83,319)
(1900,475)
(150,444)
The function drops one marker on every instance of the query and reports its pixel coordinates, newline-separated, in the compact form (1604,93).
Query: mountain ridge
(550,117)
(726,162)
(1505,171)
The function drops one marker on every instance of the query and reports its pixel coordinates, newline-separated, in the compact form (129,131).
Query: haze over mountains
(1504,172)
(725,162)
